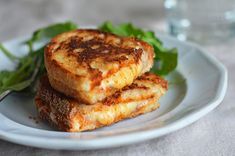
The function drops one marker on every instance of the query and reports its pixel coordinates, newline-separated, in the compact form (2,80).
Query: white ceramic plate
(196,87)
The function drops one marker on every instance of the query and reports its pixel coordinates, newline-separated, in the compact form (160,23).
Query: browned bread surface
(90,65)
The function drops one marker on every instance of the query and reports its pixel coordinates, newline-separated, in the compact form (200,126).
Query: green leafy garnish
(165,59)
(21,77)
(49,32)
(18,79)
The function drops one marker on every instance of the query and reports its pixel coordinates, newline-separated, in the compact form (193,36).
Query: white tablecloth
(213,135)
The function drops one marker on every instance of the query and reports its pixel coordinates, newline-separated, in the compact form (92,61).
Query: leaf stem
(7,53)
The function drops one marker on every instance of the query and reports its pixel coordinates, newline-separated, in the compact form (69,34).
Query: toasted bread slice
(67,114)
(90,65)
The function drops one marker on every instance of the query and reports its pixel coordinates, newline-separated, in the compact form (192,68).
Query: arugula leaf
(166,62)
(166,58)
(49,32)
(11,78)
(21,77)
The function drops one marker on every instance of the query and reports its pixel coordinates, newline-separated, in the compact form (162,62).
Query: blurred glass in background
(204,21)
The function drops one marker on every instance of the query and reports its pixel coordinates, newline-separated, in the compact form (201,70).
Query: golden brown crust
(103,45)
(67,125)
(154,78)
(88,60)
(67,114)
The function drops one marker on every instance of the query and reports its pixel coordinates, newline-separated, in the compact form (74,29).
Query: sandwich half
(90,65)
(68,114)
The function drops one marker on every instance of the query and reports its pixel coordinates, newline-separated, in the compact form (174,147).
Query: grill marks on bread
(110,50)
